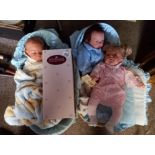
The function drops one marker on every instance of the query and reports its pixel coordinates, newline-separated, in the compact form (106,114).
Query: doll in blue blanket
(90,51)
(28,96)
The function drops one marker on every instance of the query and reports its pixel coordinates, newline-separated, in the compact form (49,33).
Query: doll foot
(103,113)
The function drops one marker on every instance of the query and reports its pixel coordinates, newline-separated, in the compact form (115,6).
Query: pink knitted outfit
(108,91)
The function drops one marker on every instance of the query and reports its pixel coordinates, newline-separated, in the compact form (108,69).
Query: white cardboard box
(58,84)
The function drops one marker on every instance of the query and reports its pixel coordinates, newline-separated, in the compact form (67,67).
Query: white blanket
(28,103)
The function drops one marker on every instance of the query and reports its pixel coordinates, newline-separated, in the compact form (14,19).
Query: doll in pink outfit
(109,92)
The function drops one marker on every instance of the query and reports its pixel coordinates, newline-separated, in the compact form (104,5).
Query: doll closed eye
(33,52)
(36,53)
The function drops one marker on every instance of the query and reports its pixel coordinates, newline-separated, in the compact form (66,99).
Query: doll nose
(110,56)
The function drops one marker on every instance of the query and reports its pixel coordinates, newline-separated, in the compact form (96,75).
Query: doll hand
(95,79)
(139,82)
(88,80)
(141,85)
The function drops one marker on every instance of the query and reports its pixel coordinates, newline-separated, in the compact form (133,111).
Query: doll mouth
(111,60)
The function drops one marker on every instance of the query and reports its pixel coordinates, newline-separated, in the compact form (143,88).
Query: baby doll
(33,51)
(90,52)
(28,95)
(108,95)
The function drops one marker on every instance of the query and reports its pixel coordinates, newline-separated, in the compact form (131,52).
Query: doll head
(116,54)
(34,47)
(94,36)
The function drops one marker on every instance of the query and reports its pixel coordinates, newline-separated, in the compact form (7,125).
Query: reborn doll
(108,95)
(90,52)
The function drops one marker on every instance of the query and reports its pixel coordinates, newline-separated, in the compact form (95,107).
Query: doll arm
(133,80)
(88,81)
(95,74)
(83,62)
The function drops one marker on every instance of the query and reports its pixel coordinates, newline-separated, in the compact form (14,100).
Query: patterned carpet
(7,89)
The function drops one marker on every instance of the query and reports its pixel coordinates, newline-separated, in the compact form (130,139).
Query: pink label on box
(58,84)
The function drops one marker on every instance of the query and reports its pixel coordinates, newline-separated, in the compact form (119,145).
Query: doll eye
(36,52)
(108,55)
(33,52)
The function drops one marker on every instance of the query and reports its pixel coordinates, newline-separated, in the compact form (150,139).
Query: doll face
(113,57)
(97,39)
(34,51)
